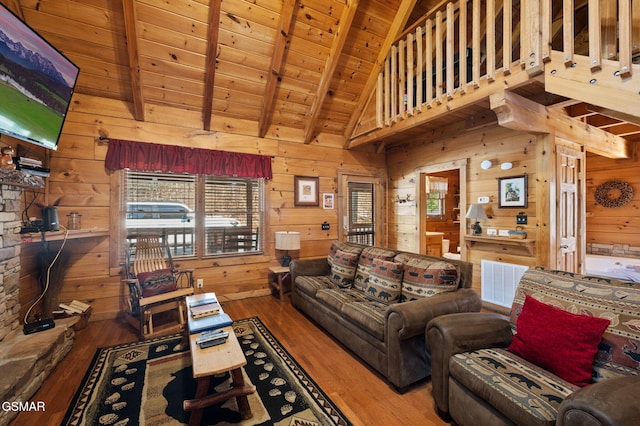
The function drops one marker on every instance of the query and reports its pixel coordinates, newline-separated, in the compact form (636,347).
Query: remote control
(222,335)
(214,342)
(209,333)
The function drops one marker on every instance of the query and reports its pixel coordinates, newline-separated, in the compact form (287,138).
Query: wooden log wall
(493,143)
(613,230)
(79,182)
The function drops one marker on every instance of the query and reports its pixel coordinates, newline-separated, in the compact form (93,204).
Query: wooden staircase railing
(456,50)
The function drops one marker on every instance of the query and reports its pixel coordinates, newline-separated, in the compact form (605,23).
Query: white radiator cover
(499,281)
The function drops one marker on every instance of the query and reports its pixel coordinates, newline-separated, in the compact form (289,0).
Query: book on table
(211,322)
(204,307)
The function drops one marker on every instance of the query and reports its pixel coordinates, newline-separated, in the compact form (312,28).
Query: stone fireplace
(25,360)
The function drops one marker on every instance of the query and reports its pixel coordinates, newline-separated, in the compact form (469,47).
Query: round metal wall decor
(613,194)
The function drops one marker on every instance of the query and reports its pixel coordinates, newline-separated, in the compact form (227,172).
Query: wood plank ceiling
(254,66)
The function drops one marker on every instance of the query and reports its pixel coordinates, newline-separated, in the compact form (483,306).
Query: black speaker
(50,219)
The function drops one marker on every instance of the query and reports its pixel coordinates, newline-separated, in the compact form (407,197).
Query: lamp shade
(476,211)
(286,240)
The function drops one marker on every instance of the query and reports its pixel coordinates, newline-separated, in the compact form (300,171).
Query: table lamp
(476,211)
(286,240)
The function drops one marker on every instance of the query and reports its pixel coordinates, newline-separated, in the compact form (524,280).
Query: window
(196,215)
(361,213)
(435,204)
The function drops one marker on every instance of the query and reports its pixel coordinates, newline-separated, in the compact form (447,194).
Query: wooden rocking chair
(154,285)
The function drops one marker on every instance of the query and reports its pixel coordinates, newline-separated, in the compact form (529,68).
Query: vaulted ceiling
(251,64)
(255,65)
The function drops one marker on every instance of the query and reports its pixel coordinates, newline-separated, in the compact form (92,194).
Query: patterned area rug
(146,383)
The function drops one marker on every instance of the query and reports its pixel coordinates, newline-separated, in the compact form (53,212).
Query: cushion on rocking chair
(156,282)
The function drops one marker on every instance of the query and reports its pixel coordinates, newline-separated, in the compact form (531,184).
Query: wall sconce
(476,211)
(287,241)
(506,166)
(486,164)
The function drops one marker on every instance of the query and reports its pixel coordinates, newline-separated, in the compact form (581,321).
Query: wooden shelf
(59,235)
(521,247)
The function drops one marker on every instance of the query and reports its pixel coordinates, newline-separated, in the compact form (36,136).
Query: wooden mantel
(60,235)
(521,247)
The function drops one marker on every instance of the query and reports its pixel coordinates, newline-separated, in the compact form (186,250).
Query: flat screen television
(36,83)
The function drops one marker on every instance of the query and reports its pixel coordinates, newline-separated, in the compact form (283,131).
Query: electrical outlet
(492,232)
(200,282)
(503,232)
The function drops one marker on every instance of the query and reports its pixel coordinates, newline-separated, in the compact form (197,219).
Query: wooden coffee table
(215,360)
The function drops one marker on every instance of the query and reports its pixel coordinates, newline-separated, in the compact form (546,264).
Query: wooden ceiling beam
(15,7)
(398,24)
(339,40)
(614,114)
(518,113)
(277,59)
(210,62)
(134,59)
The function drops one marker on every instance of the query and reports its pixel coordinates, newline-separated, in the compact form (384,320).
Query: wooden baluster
(595,48)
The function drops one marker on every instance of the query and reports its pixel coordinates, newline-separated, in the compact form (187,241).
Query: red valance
(151,157)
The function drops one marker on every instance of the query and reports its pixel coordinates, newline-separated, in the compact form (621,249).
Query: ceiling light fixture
(486,164)
(506,166)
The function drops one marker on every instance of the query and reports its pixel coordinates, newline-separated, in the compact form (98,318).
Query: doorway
(440,212)
(361,209)
(442,200)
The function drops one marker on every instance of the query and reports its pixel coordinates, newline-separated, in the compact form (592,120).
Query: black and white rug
(147,382)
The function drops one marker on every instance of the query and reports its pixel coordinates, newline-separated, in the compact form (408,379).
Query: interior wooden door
(570,209)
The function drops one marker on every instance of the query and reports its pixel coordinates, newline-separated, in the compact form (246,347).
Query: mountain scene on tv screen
(33,73)
(35,93)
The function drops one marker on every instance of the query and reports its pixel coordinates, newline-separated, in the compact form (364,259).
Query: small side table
(279,280)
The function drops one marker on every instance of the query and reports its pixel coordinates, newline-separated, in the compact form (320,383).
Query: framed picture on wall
(327,200)
(306,191)
(512,191)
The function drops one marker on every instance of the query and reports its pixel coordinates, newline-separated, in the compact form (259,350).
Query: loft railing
(457,50)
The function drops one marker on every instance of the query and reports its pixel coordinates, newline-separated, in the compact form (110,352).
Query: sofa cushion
(367,257)
(515,387)
(369,316)
(615,300)
(310,284)
(337,297)
(426,277)
(385,280)
(558,341)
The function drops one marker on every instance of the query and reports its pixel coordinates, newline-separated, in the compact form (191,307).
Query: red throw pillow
(559,341)
(156,282)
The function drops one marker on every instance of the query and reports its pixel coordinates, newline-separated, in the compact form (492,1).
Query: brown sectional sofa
(477,381)
(377,302)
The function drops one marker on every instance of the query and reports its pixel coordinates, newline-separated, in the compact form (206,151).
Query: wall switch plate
(521,219)
(503,232)
(325,226)
(492,232)
(199,283)
(483,200)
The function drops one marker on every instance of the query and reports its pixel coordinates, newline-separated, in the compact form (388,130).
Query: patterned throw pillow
(368,256)
(343,268)
(426,277)
(341,263)
(156,282)
(385,281)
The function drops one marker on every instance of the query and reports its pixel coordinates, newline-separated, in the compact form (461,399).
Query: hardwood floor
(362,395)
